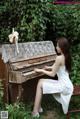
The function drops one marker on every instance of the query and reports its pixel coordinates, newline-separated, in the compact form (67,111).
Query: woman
(62,88)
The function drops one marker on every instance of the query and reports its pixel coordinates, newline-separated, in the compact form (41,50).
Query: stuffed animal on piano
(13,38)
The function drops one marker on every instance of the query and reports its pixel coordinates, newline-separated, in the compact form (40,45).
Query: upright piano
(20,66)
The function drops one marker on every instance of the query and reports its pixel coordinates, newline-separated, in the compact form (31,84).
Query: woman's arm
(48,68)
(54,70)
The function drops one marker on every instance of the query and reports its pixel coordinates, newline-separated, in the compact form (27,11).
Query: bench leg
(67,116)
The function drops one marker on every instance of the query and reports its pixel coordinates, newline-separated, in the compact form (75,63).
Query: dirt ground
(50,115)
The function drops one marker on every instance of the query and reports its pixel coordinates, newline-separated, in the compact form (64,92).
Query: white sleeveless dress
(62,89)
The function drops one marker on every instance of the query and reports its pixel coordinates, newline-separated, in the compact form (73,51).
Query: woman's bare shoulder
(60,59)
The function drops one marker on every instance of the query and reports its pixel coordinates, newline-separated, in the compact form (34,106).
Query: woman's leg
(38,97)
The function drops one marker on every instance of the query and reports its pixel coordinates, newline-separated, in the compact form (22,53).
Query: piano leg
(20,91)
(10,93)
(15,91)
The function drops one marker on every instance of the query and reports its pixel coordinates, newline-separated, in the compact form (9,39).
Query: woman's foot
(41,110)
(35,115)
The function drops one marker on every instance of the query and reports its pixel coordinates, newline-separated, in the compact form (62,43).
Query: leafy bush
(39,20)
(18,111)
(28,17)
(65,21)
(75,74)
(33,23)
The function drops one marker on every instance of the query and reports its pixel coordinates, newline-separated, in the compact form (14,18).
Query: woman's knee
(40,83)
(41,80)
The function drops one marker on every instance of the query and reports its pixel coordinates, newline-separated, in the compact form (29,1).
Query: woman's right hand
(46,67)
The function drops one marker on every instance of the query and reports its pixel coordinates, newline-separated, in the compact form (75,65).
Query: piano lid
(27,50)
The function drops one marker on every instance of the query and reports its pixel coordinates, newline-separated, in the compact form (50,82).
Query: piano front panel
(24,73)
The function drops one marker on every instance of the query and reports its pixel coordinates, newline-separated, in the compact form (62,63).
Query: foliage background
(39,20)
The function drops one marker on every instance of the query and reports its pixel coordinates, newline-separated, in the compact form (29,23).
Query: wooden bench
(75,93)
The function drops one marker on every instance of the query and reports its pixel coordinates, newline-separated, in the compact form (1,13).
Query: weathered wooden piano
(20,67)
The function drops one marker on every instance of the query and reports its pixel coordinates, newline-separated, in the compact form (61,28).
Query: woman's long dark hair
(65,48)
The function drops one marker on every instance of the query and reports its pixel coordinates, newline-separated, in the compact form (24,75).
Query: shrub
(18,111)
(75,74)
(28,17)
(39,20)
